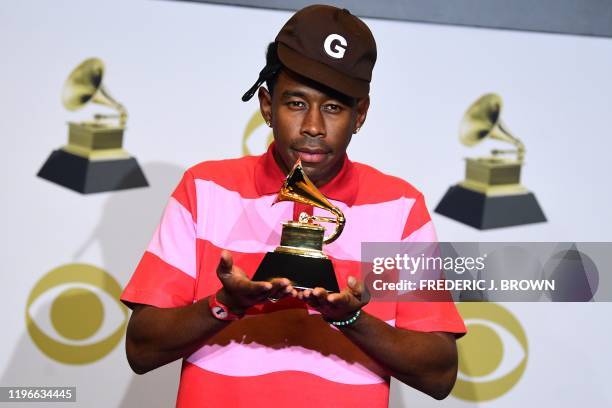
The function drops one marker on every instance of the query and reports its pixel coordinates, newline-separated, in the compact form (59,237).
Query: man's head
(318,74)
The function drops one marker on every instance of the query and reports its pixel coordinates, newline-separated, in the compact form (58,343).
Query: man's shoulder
(210,168)
(232,174)
(376,186)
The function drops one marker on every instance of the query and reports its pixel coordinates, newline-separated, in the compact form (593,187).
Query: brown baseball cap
(328,45)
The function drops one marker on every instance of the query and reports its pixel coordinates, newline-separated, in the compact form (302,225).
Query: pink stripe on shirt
(427,233)
(174,240)
(255,224)
(336,359)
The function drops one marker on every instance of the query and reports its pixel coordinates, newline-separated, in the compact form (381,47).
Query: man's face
(312,123)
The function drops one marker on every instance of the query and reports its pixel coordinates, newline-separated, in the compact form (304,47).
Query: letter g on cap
(335,45)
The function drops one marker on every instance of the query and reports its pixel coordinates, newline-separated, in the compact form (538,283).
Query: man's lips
(311,155)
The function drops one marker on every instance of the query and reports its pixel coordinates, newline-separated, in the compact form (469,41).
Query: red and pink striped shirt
(283,353)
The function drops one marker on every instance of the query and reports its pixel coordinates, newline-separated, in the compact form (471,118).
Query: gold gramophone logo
(491,196)
(94,159)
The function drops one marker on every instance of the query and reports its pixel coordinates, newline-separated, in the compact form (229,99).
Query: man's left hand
(337,306)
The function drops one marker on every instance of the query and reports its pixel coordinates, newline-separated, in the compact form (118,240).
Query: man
(192,296)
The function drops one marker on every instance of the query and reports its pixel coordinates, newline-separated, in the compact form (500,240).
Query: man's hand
(239,292)
(425,361)
(337,306)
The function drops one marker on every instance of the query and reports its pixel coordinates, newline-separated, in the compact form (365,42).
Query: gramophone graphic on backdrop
(491,196)
(93,160)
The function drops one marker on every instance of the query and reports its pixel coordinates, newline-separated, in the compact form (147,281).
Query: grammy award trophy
(491,196)
(93,160)
(300,257)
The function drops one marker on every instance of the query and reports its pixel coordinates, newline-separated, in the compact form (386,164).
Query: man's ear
(362,107)
(265,104)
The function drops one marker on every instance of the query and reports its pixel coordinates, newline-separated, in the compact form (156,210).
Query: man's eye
(332,108)
(296,104)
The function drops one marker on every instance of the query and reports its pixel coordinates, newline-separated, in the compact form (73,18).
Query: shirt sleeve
(166,274)
(425,316)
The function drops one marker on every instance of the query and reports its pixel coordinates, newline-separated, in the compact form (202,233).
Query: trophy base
(305,272)
(480,211)
(92,176)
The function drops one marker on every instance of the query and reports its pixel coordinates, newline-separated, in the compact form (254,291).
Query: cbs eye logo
(492,356)
(74,315)
(256,139)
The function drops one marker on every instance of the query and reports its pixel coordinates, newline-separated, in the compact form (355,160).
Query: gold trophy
(491,196)
(93,160)
(300,257)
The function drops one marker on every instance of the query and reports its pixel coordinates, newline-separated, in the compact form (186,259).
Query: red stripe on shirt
(417,217)
(158,284)
(185,194)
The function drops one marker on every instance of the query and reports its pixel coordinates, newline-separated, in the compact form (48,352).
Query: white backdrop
(180,69)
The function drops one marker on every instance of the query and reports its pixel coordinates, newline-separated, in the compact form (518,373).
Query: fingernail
(352,281)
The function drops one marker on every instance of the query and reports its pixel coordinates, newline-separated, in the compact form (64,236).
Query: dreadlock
(272,60)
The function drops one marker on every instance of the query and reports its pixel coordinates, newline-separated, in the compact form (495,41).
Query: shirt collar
(269,179)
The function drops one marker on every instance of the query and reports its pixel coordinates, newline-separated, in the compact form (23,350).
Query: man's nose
(313,123)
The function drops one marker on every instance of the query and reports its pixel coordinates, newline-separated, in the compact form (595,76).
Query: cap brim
(322,73)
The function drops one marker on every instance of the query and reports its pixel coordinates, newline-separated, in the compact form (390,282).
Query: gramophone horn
(84,85)
(299,188)
(483,120)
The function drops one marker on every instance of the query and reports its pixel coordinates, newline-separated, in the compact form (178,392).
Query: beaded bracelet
(345,322)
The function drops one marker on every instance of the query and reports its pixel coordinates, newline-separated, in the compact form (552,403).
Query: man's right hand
(239,292)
